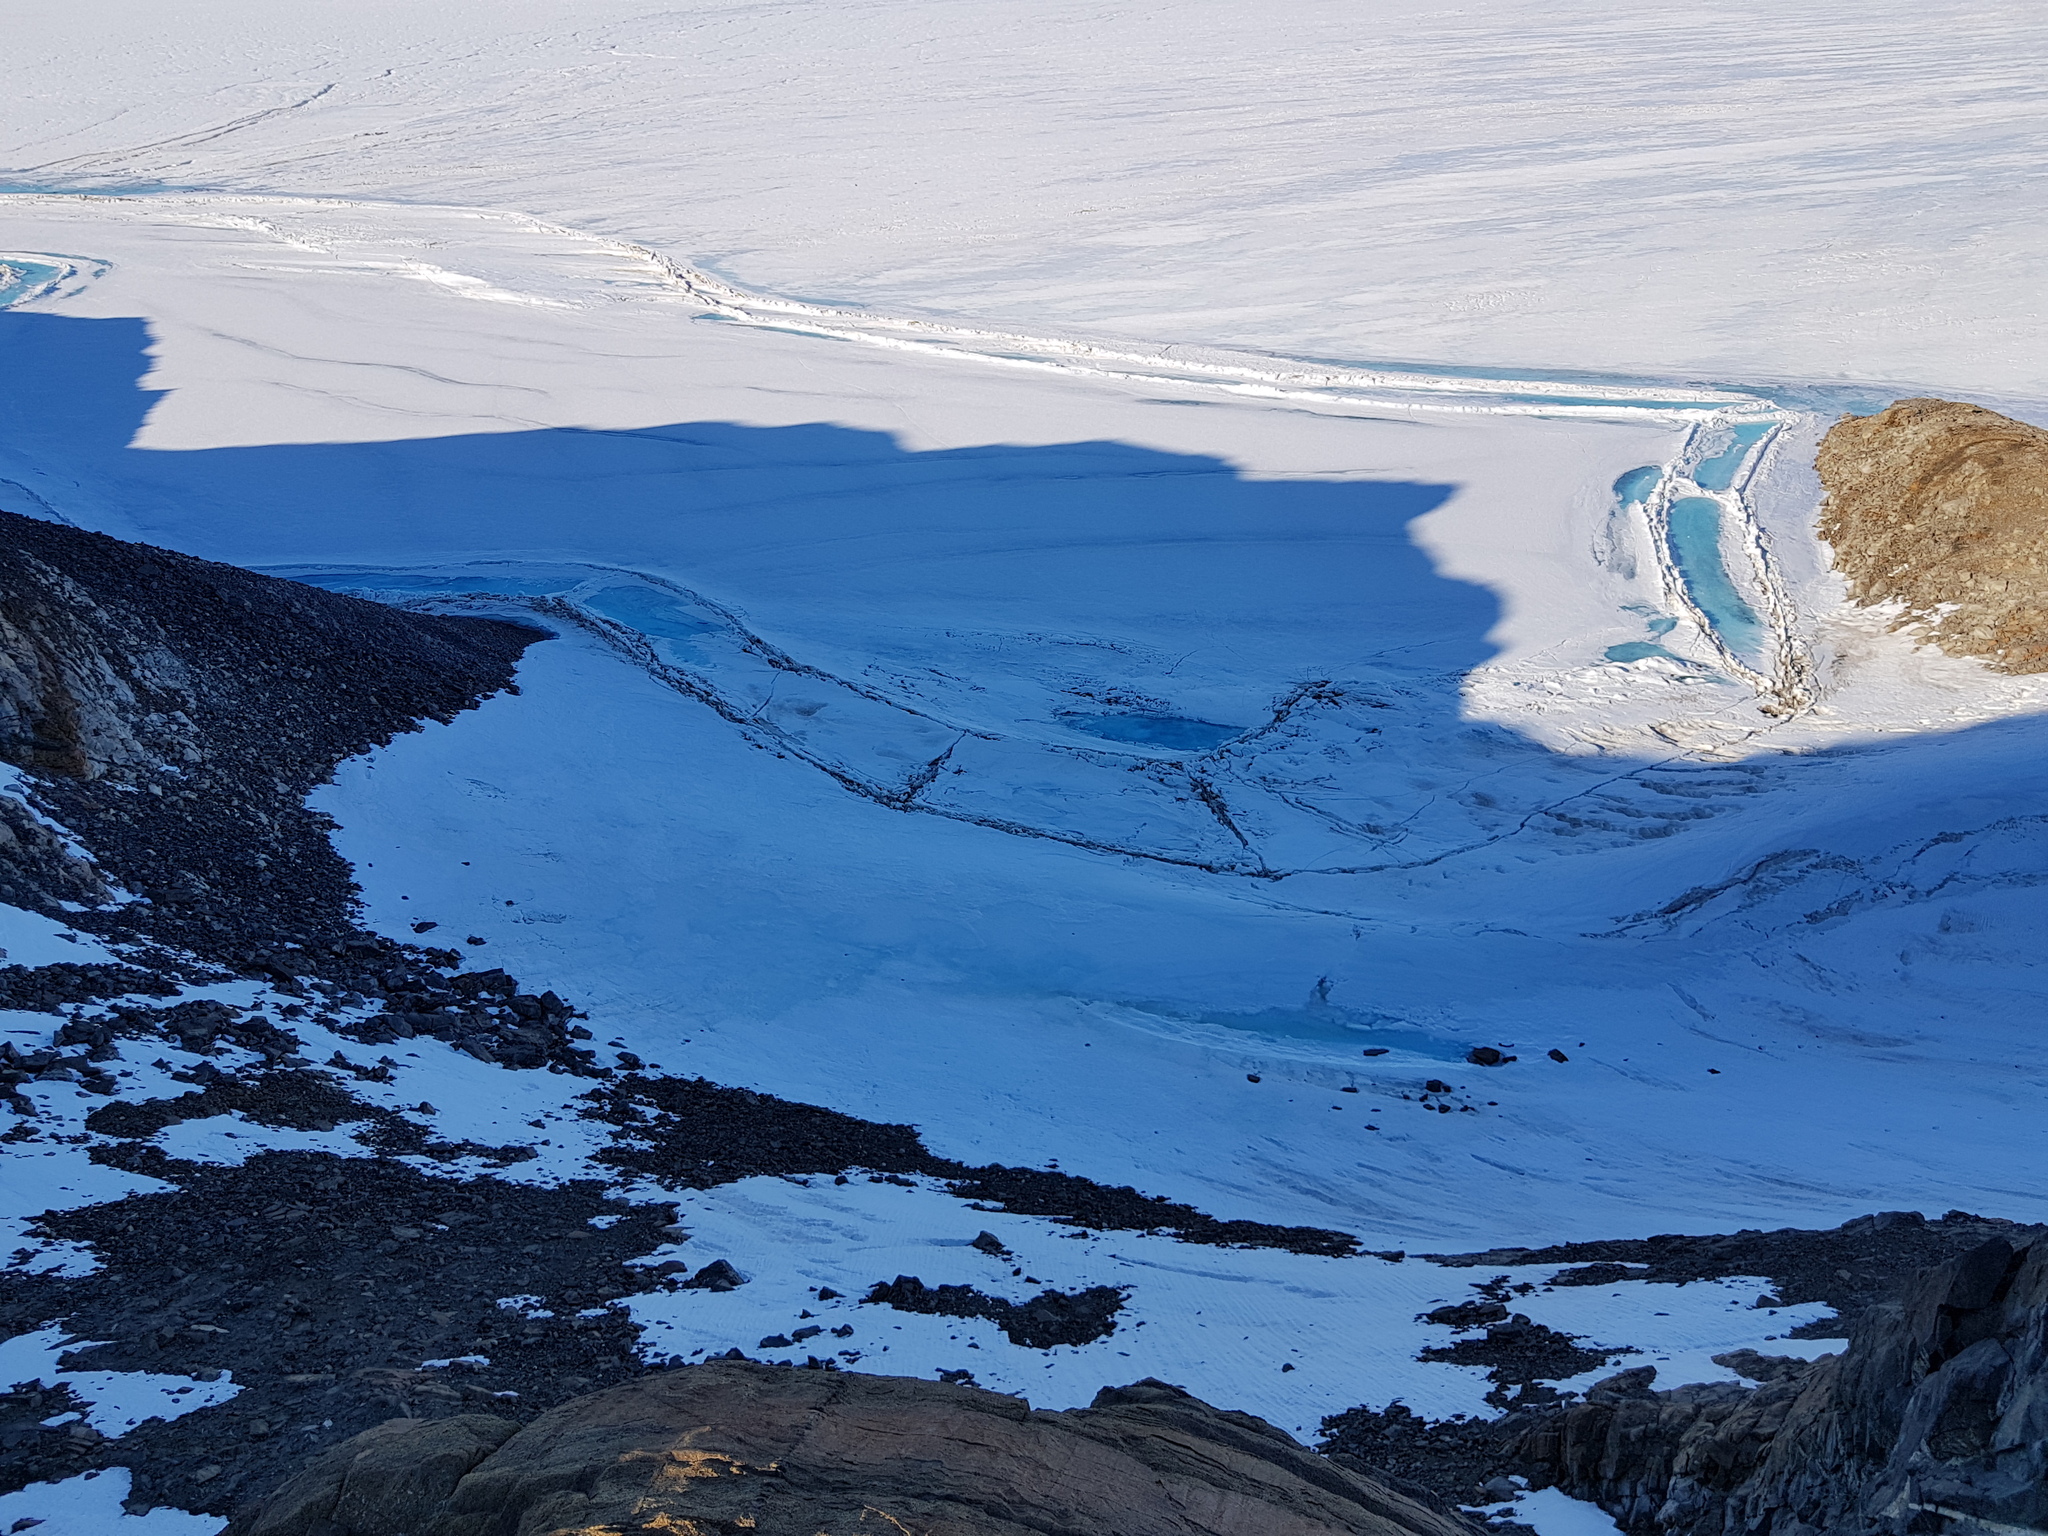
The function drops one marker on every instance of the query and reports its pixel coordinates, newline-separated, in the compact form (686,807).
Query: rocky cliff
(174,713)
(1943,508)
(734,1446)
(1934,1419)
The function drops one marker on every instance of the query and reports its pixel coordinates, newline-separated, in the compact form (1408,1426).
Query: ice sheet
(1328,375)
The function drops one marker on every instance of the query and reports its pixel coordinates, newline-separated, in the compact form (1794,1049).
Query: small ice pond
(1718,472)
(1634,487)
(651,611)
(1372,1033)
(1695,523)
(22,279)
(1636,650)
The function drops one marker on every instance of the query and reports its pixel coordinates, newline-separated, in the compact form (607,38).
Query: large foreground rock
(1943,508)
(1935,1419)
(732,1446)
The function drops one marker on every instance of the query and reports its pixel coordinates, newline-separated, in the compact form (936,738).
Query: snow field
(969,402)
(1758,190)
(1222,1321)
(91,1505)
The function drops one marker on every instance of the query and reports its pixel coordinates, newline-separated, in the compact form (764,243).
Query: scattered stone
(1556,1055)
(718,1275)
(224,697)
(687,1133)
(284,1271)
(1596,1274)
(298,1100)
(990,1244)
(47,988)
(1441,1463)
(1519,1356)
(1467,1314)
(1048,1319)
(1847,1267)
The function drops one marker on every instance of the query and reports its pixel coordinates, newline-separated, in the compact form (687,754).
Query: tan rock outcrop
(1943,507)
(728,1447)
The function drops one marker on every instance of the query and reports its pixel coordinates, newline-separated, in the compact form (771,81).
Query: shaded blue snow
(1173,732)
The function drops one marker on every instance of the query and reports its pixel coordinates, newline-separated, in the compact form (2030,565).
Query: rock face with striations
(1943,508)
(1935,1419)
(734,1446)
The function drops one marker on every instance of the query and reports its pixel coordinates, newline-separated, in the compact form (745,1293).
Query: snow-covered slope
(1055,705)
(915,614)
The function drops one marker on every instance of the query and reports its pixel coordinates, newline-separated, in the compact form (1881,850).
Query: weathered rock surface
(1934,1419)
(388,1479)
(1943,507)
(734,1446)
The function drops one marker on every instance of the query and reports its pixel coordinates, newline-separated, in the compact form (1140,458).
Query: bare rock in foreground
(1943,507)
(1934,1420)
(734,1446)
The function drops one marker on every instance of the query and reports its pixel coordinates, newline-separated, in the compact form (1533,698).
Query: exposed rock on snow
(321,1284)
(1943,507)
(685,1133)
(1521,1355)
(177,711)
(1047,1319)
(734,1445)
(1863,1266)
(174,713)
(1934,1418)
(1867,1259)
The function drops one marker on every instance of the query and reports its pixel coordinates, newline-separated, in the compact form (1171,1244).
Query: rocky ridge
(1860,1269)
(1934,1419)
